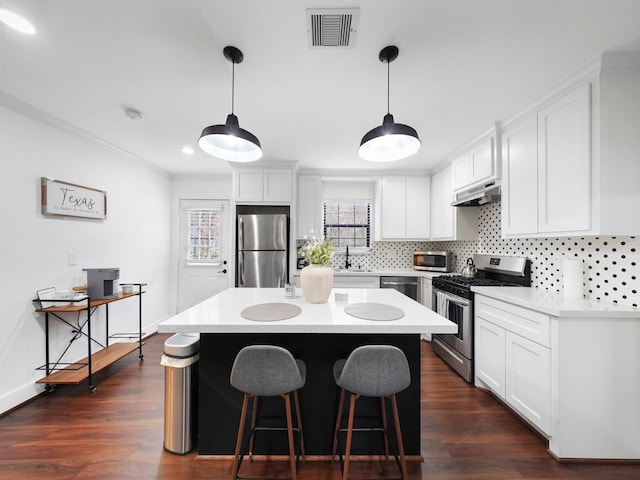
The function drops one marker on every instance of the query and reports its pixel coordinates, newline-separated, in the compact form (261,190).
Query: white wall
(34,249)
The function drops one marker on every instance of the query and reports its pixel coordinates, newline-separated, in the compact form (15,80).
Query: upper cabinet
(272,185)
(309,205)
(447,222)
(404,208)
(478,164)
(570,166)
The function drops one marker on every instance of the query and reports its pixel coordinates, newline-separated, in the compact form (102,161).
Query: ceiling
(463,65)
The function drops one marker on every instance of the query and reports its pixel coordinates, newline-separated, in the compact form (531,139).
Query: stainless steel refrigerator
(262,250)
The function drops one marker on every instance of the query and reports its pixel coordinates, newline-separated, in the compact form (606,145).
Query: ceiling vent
(332,27)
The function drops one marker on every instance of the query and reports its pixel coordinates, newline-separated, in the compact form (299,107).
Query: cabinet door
(426,292)
(564,164)
(393,208)
(277,185)
(442,213)
(309,205)
(249,185)
(490,355)
(528,380)
(417,208)
(519,178)
(482,160)
(462,172)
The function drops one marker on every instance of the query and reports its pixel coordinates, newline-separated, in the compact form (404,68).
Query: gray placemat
(374,311)
(270,312)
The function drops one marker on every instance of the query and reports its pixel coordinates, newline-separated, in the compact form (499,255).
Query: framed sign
(71,200)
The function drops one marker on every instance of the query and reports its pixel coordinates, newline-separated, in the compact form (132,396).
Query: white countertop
(557,305)
(221,314)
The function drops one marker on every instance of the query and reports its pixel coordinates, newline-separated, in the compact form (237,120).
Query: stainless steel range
(453,299)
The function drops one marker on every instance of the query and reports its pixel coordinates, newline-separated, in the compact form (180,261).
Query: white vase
(317,282)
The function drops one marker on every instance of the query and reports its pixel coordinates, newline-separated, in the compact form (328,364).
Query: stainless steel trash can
(180,359)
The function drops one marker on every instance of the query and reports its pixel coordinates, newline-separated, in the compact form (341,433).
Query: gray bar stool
(371,371)
(267,371)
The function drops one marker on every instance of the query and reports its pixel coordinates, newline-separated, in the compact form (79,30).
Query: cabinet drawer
(356,281)
(532,325)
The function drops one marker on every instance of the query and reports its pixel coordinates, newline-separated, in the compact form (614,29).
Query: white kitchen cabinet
(528,380)
(404,208)
(262,185)
(447,222)
(309,205)
(349,281)
(490,360)
(477,166)
(426,292)
(566,366)
(564,164)
(520,179)
(511,362)
(570,167)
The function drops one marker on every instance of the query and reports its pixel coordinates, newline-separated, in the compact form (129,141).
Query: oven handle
(453,298)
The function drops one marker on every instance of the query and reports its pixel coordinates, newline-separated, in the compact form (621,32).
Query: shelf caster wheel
(141,356)
(92,388)
(50,388)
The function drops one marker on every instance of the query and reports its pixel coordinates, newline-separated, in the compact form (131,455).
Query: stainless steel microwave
(433,261)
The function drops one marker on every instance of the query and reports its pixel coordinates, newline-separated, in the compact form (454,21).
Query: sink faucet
(347,263)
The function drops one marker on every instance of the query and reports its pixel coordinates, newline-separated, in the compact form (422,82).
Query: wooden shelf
(99,361)
(82,304)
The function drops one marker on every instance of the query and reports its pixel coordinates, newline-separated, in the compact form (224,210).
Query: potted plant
(317,277)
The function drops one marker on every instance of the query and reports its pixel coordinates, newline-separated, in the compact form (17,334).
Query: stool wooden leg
(292,450)
(335,434)
(296,400)
(396,420)
(347,450)
(243,416)
(254,417)
(383,408)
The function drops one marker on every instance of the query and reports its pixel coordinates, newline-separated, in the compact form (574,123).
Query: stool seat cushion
(373,371)
(267,370)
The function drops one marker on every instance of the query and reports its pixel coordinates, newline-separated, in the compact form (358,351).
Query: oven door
(457,310)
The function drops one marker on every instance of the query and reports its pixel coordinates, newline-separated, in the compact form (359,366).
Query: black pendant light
(229,141)
(390,141)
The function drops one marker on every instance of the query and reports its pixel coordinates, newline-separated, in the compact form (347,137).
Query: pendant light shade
(229,141)
(389,141)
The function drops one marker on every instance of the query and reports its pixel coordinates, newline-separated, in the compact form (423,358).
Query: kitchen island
(319,335)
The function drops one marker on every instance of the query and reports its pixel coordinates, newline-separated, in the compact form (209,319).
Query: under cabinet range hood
(478,196)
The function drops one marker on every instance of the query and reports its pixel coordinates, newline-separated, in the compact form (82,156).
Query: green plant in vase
(316,278)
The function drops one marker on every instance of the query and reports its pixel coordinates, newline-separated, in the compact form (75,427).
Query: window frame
(370,226)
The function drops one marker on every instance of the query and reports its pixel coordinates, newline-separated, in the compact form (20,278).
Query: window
(203,234)
(348,222)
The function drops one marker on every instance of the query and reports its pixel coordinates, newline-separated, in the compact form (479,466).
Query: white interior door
(204,250)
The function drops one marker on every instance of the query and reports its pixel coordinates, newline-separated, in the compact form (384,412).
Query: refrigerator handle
(240,269)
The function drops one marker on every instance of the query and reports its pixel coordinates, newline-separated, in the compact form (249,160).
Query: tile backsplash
(610,263)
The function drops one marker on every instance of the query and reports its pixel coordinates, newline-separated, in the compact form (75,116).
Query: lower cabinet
(528,380)
(515,368)
(349,281)
(572,375)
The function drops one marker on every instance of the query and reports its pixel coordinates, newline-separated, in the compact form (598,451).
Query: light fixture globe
(229,141)
(390,141)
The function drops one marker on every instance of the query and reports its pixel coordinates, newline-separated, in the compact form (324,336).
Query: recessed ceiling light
(16,22)
(187,150)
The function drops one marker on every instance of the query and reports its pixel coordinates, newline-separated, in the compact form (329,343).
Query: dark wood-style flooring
(117,433)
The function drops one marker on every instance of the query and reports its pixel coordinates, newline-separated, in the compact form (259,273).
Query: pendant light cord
(388,81)
(233,84)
